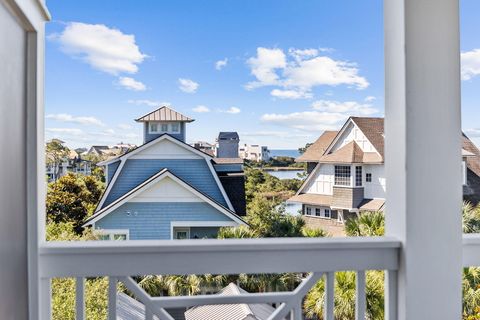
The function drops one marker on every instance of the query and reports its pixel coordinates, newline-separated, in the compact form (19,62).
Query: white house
(254,152)
(347,172)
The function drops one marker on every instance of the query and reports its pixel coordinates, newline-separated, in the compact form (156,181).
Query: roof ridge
(168,109)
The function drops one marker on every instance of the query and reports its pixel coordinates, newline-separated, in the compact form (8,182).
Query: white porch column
(423,159)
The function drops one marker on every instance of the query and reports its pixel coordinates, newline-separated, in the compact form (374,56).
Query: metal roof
(230,311)
(164,114)
(228,136)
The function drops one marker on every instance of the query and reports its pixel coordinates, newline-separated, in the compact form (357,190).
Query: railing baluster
(45,299)
(148,314)
(391,299)
(297,311)
(80,299)
(329,295)
(112,298)
(360,305)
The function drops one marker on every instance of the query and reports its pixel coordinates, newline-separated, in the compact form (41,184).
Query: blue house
(167,189)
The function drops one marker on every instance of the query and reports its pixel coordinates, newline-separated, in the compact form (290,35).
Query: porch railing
(317,257)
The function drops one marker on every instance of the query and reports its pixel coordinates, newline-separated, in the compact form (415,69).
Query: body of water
(293,208)
(287,174)
(293,153)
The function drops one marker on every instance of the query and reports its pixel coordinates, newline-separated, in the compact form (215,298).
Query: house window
(308,211)
(358,176)
(175,128)
(153,127)
(164,127)
(182,233)
(342,175)
(118,235)
(368,177)
(317,212)
(327,213)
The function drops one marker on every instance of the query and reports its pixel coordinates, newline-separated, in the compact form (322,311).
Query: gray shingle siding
(151,220)
(347,197)
(193,171)
(147,137)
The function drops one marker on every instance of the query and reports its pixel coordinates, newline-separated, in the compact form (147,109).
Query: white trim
(166,136)
(309,177)
(153,142)
(219,184)
(342,131)
(110,184)
(113,232)
(164,173)
(190,224)
(169,156)
(181,229)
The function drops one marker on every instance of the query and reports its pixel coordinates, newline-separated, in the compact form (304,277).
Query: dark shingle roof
(228,136)
(373,129)
(164,114)
(234,186)
(317,149)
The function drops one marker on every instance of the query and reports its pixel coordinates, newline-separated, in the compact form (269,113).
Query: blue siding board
(111,170)
(151,220)
(228,167)
(194,171)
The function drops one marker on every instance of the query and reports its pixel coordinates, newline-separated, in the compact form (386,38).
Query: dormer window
(175,127)
(155,127)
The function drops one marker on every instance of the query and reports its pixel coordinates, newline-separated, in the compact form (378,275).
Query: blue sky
(278,72)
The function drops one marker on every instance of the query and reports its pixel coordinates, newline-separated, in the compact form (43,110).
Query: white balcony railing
(318,257)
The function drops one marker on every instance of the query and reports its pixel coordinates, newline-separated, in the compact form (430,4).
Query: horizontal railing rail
(229,256)
(315,257)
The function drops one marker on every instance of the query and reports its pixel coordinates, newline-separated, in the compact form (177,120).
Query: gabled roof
(351,153)
(241,311)
(373,129)
(317,149)
(164,114)
(473,162)
(152,181)
(152,142)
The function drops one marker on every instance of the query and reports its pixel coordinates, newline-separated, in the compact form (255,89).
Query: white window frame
(160,127)
(171,125)
(334,176)
(150,130)
(366,177)
(111,233)
(308,211)
(329,213)
(181,229)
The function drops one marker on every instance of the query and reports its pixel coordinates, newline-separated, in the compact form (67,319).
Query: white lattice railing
(318,257)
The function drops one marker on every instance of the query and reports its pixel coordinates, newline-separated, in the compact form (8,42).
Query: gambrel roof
(164,114)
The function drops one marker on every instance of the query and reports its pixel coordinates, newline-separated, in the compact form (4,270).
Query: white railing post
(80,299)
(112,298)
(45,305)
(423,154)
(329,295)
(360,303)
(391,295)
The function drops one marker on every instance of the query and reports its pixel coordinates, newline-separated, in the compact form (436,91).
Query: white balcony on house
(422,254)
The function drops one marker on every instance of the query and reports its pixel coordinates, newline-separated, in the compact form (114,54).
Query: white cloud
(233,110)
(473,133)
(470,64)
(276,134)
(220,64)
(304,70)
(64,117)
(325,115)
(124,126)
(131,84)
(105,49)
(349,107)
(201,109)
(306,120)
(291,94)
(66,131)
(187,85)
(150,103)
(370,99)
(264,66)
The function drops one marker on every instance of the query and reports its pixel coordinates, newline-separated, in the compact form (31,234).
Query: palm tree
(345,292)
(368,224)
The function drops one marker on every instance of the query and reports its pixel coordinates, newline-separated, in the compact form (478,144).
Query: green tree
(302,150)
(72,198)
(55,154)
(368,224)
